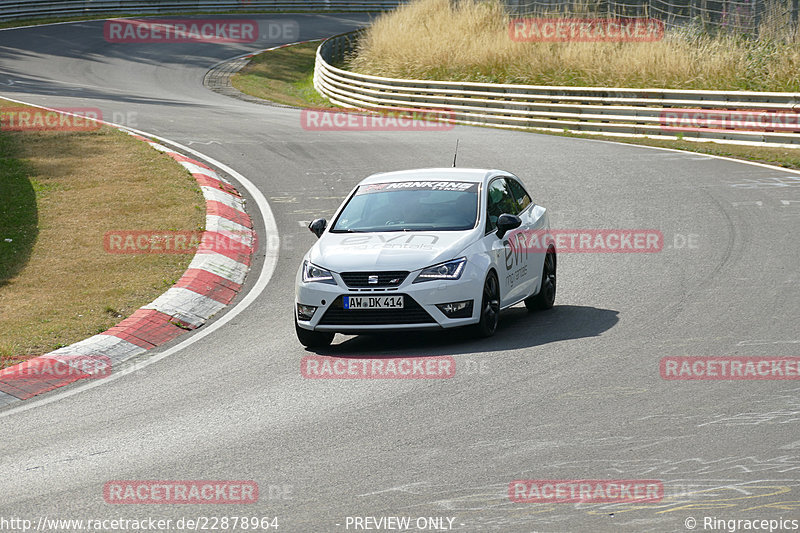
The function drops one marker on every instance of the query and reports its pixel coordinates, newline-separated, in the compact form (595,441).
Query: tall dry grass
(469,40)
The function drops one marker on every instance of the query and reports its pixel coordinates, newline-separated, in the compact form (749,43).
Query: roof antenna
(455,155)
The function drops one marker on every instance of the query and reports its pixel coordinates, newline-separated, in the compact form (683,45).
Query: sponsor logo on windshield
(457,186)
(422,241)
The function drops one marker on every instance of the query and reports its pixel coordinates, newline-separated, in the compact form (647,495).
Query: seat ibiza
(425,248)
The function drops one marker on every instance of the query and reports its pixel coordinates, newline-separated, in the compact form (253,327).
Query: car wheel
(547,294)
(490,306)
(313,339)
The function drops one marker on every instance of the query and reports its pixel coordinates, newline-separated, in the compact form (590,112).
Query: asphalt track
(573,393)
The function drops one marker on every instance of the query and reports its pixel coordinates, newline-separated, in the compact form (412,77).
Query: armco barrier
(724,116)
(34,9)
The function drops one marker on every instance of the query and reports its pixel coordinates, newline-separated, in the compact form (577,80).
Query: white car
(426,248)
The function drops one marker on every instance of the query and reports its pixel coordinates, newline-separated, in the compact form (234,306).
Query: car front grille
(391,278)
(412,313)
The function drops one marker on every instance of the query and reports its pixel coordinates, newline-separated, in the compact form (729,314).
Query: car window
(522,197)
(499,200)
(410,206)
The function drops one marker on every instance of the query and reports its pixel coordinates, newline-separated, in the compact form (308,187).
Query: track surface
(566,394)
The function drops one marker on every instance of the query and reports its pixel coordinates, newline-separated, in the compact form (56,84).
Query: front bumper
(419,311)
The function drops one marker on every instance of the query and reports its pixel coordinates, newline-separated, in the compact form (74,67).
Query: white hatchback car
(426,248)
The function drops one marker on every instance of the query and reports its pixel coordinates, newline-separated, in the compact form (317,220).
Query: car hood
(344,252)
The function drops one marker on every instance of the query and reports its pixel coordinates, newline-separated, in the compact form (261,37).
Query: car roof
(477,175)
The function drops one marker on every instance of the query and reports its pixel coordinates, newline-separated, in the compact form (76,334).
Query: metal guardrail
(722,116)
(34,9)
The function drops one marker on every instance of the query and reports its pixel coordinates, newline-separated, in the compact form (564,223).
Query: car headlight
(449,270)
(312,272)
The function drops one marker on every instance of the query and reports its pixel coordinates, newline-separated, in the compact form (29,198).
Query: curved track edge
(212,280)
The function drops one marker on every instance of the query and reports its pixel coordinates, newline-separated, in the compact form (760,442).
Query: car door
(527,237)
(508,261)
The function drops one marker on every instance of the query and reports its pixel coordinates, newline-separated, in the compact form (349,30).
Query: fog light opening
(305,312)
(456,309)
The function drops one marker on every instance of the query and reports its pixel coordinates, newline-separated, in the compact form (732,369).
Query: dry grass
(469,41)
(59,286)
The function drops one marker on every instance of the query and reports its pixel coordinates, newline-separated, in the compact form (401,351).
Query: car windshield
(410,206)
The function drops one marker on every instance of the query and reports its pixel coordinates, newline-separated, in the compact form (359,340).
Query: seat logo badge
(372,280)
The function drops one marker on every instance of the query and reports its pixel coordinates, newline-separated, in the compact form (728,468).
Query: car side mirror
(506,222)
(318,226)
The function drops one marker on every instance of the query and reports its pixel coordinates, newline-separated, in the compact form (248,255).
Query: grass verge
(59,193)
(285,75)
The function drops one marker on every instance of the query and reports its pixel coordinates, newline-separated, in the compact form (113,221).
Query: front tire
(490,307)
(546,297)
(313,339)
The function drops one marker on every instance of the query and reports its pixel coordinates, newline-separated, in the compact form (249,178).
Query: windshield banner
(457,186)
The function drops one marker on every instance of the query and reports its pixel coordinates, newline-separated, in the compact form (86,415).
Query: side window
(523,200)
(499,200)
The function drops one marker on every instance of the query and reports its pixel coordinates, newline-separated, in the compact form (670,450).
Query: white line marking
(60,23)
(764,165)
(760,342)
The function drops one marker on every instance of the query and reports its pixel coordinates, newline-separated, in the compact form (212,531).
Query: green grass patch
(285,76)
(18,213)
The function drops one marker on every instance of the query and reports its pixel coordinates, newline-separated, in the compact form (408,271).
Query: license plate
(373,302)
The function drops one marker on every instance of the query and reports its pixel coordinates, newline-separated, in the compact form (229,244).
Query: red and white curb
(213,278)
